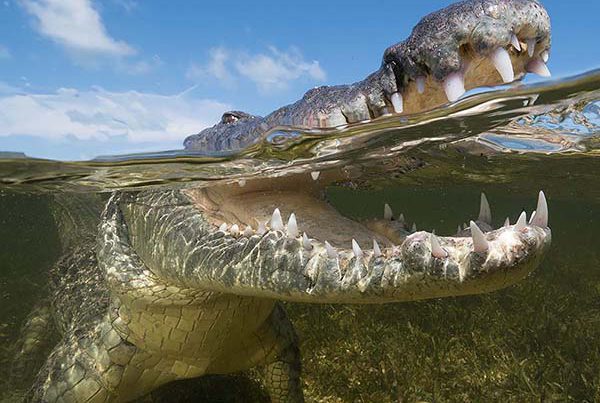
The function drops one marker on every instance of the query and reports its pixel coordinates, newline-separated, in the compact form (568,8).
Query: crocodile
(166,284)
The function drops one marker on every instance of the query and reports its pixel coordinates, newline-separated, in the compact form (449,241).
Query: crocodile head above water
(183,283)
(466,45)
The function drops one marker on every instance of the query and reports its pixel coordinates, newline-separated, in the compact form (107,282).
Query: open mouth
(386,250)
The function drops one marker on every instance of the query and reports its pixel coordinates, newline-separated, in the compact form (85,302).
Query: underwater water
(536,341)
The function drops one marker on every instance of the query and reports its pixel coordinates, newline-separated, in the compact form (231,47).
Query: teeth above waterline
(248,231)
(545,56)
(454,86)
(537,66)
(501,60)
(515,42)
(420,84)
(315,175)
(397,102)
(531,46)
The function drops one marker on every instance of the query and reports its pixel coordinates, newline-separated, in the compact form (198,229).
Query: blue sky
(79,78)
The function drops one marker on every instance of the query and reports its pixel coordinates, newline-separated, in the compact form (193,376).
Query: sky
(81,78)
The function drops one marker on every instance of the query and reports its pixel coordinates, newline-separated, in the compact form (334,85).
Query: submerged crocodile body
(176,284)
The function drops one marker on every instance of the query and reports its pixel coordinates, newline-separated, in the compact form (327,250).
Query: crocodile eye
(229,118)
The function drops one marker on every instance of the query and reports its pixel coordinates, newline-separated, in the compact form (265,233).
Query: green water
(536,341)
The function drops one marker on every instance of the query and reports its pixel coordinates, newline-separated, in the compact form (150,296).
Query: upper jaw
(467,45)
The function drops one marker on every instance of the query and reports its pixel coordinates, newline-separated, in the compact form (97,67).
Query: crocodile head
(469,44)
(279,237)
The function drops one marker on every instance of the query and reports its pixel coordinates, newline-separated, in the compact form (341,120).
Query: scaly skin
(455,41)
(166,291)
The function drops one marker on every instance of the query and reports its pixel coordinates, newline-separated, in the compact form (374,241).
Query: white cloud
(76,25)
(128,5)
(4,52)
(8,89)
(270,71)
(275,70)
(140,66)
(216,67)
(102,115)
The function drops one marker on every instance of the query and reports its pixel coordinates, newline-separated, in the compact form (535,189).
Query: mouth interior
(256,201)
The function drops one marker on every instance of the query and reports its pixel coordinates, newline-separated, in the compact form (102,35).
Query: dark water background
(536,341)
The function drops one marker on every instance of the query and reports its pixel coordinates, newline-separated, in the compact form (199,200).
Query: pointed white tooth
(387,212)
(480,244)
(521,222)
(545,56)
(501,61)
(531,217)
(376,249)
(262,228)
(315,175)
(331,252)
(531,46)
(506,222)
(537,66)
(248,231)
(401,218)
(458,229)
(541,216)
(454,86)
(465,226)
(234,230)
(436,248)
(420,84)
(242,182)
(276,221)
(292,226)
(223,227)
(306,242)
(356,249)
(515,42)
(485,213)
(397,103)
(413,228)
